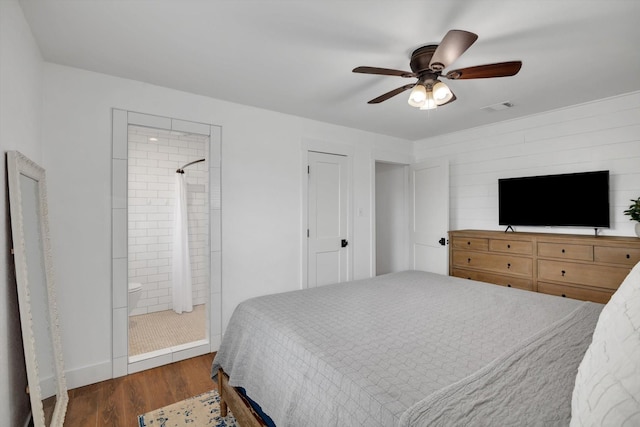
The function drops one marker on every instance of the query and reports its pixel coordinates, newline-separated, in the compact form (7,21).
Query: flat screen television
(566,200)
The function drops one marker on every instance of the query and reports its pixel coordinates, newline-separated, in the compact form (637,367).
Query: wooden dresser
(574,266)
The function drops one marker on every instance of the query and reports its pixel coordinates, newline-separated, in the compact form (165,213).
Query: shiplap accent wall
(151,201)
(602,135)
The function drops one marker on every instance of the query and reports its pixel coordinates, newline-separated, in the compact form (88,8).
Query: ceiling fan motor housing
(421,58)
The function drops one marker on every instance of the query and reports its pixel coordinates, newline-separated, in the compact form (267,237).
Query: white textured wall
(152,169)
(602,135)
(20,129)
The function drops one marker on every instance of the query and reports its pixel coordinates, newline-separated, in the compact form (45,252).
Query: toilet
(135,289)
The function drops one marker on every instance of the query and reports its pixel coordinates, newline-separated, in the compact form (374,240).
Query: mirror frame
(17,165)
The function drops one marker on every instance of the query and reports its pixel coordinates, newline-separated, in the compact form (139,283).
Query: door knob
(344,243)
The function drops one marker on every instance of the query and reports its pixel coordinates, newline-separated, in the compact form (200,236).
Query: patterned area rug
(201,410)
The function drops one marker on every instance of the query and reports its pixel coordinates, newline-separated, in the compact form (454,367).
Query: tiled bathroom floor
(162,329)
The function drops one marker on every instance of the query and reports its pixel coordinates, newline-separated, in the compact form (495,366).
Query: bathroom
(161,317)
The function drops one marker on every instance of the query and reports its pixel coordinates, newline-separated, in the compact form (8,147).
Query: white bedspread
(365,352)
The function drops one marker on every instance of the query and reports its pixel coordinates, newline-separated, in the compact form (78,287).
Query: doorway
(411,216)
(391,217)
(328,231)
(147,154)
(168,229)
(346,152)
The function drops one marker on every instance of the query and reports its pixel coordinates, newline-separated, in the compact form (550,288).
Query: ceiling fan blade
(454,44)
(383,71)
(500,69)
(391,94)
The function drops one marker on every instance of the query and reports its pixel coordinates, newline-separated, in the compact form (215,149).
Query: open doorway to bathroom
(151,325)
(168,239)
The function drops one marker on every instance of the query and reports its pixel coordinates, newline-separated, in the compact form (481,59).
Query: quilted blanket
(530,386)
(367,351)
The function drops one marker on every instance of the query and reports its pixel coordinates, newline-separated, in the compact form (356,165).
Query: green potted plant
(634,213)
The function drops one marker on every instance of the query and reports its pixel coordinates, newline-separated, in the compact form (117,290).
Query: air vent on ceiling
(498,107)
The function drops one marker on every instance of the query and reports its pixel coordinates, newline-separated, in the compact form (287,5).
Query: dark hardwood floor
(119,401)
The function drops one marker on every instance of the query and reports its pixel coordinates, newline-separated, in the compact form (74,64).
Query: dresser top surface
(549,237)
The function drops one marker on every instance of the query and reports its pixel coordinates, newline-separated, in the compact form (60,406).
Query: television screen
(569,200)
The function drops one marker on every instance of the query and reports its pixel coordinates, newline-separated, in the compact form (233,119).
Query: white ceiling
(296,57)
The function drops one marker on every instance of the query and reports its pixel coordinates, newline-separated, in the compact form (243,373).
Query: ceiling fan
(427,65)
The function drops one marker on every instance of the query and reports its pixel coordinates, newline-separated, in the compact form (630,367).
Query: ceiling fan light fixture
(430,102)
(441,93)
(418,96)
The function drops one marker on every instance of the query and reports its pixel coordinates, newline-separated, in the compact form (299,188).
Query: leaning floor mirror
(36,290)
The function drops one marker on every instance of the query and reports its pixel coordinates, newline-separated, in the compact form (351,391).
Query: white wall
(261,193)
(603,135)
(20,122)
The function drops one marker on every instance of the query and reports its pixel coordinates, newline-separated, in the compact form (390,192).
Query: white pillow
(607,388)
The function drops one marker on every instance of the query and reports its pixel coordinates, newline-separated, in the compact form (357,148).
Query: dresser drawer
(509,281)
(495,263)
(563,251)
(471,243)
(585,294)
(613,255)
(585,267)
(511,246)
(586,274)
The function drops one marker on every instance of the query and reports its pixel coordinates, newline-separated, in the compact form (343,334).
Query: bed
(420,349)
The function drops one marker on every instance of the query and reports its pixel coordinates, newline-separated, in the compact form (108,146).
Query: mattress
(385,351)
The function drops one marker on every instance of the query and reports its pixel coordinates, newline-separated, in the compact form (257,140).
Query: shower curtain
(182,296)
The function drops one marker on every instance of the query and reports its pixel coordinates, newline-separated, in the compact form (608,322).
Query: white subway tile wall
(154,157)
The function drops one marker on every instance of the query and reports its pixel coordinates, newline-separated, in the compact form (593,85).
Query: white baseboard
(88,374)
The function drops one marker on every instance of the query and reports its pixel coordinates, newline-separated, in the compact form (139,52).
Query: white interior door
(429,216)
(328,251)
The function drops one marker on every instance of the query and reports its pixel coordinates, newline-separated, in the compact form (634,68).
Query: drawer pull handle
(508,246)
(563,273)
(564,296)
(468,243)
(508,285)
(508,265)
(468,260)
(563,251)
(628,256)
